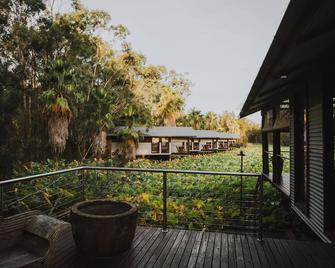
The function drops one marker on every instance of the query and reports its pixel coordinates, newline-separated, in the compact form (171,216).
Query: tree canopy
(62,86)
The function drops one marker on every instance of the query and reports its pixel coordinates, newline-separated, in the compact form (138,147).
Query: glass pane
(285,150)
(165,147)
(196,146)
(282,115)
(155,145)
(268,120)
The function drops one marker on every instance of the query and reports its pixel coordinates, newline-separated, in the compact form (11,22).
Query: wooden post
(265,155)
(276,156)
(260,212)
(164,203)
(241,154)
(82,184)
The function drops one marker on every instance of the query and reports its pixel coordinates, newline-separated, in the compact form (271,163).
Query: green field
(194,201)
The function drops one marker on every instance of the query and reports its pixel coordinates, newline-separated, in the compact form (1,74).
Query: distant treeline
(62,86)
(225,122)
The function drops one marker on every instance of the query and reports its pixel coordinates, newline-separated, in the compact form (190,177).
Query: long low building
(166,141)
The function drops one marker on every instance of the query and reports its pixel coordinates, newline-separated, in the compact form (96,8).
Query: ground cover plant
(194,201)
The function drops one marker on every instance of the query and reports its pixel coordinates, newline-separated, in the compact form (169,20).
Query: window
(196,146)
(268,120)
(165,146)
(155,145)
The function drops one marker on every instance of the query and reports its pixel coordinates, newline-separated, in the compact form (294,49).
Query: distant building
(167,141)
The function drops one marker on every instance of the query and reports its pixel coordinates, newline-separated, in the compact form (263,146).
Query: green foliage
(226,122)
(194,201)
(56,71)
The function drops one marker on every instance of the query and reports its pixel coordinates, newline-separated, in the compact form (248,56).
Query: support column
(276,157)
(265,155)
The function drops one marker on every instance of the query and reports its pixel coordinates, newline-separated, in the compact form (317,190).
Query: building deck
(184,248)
(283,185)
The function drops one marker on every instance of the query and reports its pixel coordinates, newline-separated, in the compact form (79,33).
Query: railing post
(82,184)
(241,154)
(164,202)
(260,212)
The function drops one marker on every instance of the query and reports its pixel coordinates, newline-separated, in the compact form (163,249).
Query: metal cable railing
(166,197)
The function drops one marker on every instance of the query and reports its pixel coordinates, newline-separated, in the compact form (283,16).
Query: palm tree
(195,119)
(211,121)
(169,107)
(59,79)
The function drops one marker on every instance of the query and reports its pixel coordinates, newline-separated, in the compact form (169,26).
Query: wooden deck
(182,248)
(284,185)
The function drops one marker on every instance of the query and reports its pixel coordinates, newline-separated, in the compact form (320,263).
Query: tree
(194,119)
(211,121)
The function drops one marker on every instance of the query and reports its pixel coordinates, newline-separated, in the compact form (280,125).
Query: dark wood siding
(314,216)
(315,131)
(292,164)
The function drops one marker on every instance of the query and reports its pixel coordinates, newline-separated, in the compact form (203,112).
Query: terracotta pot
(103,228)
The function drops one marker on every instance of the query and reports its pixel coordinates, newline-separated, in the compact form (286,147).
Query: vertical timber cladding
(314,215)
(316,151)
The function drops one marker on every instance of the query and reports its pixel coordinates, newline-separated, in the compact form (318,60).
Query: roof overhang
(305,39)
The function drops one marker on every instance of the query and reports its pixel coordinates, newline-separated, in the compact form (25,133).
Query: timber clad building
(167,141)
(295,91)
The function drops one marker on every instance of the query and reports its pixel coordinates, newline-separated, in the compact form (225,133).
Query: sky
(219,44)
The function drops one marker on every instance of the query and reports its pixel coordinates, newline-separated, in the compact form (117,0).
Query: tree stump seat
(31,239)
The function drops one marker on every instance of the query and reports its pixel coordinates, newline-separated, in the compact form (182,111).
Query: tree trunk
(129,151)
(170,120)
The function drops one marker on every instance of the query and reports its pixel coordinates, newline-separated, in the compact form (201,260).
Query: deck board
(184,248)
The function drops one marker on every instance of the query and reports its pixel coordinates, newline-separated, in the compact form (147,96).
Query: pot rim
(76,209)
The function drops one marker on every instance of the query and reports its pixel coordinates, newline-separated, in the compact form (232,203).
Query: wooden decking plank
(138,243)
(319,255)
(144,241)
(231,251)
(239,252)
(157,260)
(183,248)
(309,254)
(202,251)
(217,251)
(224,250)
(329,249)
(261,253)
(174,248)
(283,253)
(290,254)
(246,251)
(300,252)
(297,259)
(209,250)
(188,250)
(155,248)
(195,249)
(276,252)
(253,252)
(180,252)
(273,262)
